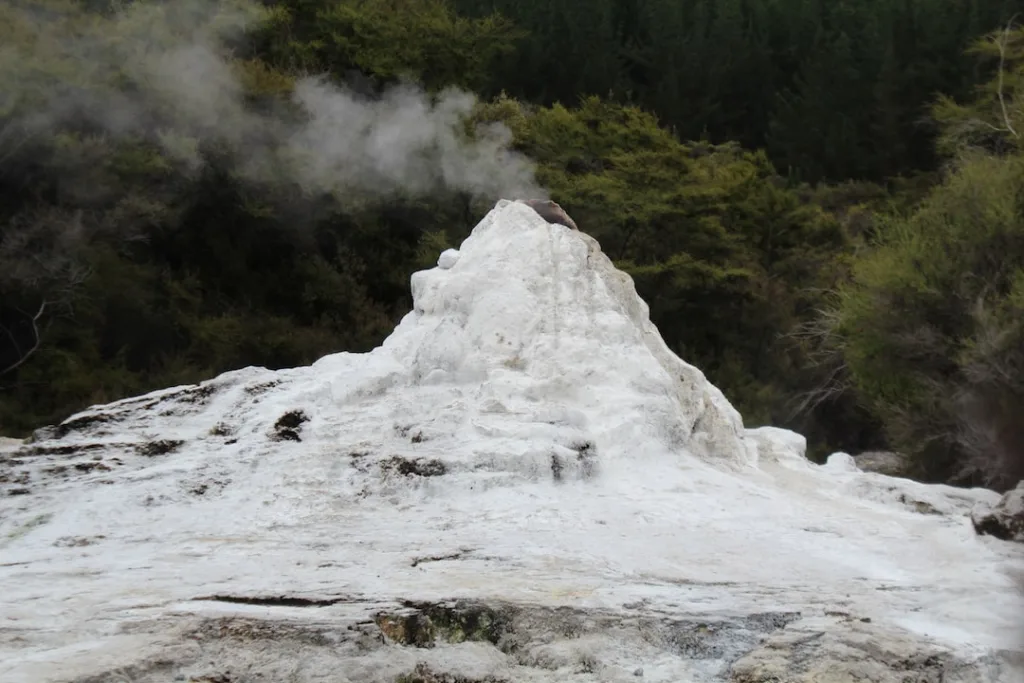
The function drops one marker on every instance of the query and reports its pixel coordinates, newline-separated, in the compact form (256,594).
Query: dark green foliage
(835,90)
(385,40)
(931,327)
(928,332)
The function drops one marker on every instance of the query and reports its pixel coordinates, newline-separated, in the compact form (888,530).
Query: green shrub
(931,326)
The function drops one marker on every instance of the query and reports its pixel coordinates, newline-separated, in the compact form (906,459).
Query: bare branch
(1001,44)
(824,349)
(36,339)
(832,386)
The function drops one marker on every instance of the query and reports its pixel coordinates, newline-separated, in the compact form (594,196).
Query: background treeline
(823,202)
(833,89)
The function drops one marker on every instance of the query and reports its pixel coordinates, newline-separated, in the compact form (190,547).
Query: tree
(994,119)
(930,326)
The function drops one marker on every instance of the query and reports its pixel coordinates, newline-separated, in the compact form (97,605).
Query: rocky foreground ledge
(521,484)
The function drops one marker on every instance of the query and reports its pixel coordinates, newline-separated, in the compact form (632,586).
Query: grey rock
(883,462)
(1005,520)
(853,650)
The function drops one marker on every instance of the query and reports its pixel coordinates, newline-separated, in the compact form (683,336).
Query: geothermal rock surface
(523,483)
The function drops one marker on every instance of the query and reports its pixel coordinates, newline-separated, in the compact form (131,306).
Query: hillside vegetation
(823,203)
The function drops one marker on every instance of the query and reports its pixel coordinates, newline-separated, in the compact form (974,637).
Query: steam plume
(162,71)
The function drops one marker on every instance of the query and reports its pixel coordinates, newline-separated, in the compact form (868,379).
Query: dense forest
(822,202)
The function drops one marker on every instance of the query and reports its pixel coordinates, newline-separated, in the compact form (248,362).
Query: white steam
(404,140)
(163,71)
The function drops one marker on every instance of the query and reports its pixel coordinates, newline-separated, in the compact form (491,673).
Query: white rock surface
(525,443)
(447,259)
